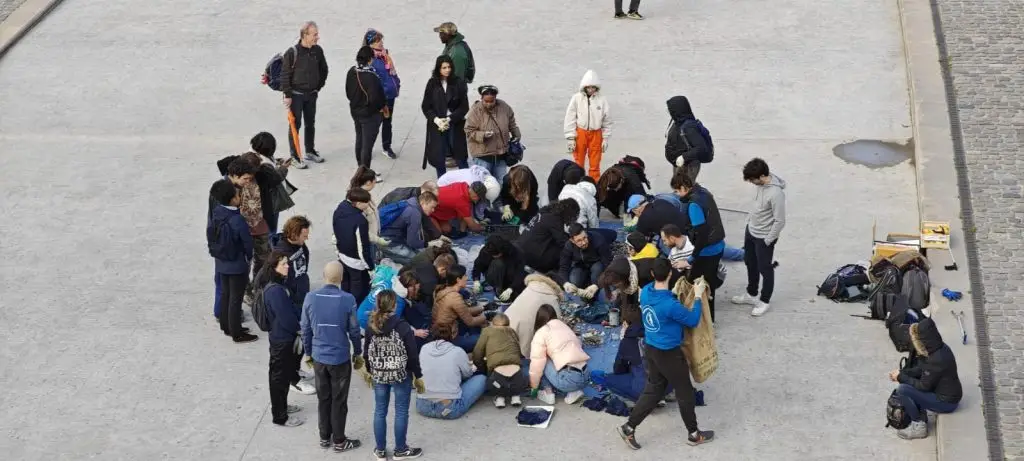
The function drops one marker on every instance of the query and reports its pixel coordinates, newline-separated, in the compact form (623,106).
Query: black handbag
(515,153)
(281,196)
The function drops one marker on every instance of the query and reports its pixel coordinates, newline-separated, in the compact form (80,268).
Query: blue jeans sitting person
(917,402)
(566,380)
(399,253)
(472,389)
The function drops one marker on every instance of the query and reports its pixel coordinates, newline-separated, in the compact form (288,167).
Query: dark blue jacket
(329,325)
(242,238)
(351,230)
(298,267)
(628,354)
(407,228)
(391,83)
(283,313)
(706,232)
(597,251)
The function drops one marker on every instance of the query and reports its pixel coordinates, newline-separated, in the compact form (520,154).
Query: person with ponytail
(392,361)
(451,309)
(366,179)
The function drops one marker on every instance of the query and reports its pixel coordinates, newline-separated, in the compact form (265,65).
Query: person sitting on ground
(543,240)
(490,129)
(392,361)
(557,360)
(385,278)
(565,172)
(405,232)
(450,308)
(455,201)
(498,353)
(500,265)
(584,258)
(621,181)
(585,194)
(450,386)
(285,355)
(522,313)
(932,384)
(292,241)
(420,300)
(519,195)
(353,244)
(405,193)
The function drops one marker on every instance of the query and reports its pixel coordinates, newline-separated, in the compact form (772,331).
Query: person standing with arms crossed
(303,75)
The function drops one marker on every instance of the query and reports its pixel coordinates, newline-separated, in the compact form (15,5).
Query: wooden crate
(935,234)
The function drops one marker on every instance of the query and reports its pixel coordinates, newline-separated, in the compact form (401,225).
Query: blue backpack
(272,73)
(220,241)
(710,155)
(390,212)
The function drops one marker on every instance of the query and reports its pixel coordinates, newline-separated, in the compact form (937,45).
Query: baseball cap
(634,201)
(447,27)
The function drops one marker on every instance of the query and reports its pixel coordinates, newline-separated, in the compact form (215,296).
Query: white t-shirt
(677,254)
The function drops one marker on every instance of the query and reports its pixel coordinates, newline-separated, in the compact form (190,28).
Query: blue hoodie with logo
(664,317)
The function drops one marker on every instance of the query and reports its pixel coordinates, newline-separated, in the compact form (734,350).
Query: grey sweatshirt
(768,215)
(444,367)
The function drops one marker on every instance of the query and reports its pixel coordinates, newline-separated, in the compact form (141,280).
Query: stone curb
(960,435)
(23,20)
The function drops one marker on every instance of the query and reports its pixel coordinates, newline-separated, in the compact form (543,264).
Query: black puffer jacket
(712,231)
(684,139)
(303,69)
(542,243)
(515,268)
(556,180)
(657,214)
(936,367)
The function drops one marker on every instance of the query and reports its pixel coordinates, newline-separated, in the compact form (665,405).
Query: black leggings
(759,258)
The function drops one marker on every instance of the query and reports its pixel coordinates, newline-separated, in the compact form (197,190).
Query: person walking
(587,125)
(445,105)
(490,128)
(367,103)
(664,318)
(685,144)
(330,336)
(634,10)
(455,47)
(764,225)
(384,67)
(303,75)
(393,363)
(230,244)
(285,350)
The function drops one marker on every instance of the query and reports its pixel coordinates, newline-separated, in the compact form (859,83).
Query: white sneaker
(573,397)
(517,401)
(759,309)
(304,388)
(499,402)
(546,396)
(314,157)
(299,163)
(306,375)
(744,299)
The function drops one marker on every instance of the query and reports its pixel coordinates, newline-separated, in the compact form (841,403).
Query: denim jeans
(565,380)
(398,253)
(583,277)
(732,253)
(495,165)
(382,395)
(216,295)
(917,401)
(467,338)
(472,389)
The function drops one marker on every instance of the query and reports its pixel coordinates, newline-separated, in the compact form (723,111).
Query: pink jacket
(559,343)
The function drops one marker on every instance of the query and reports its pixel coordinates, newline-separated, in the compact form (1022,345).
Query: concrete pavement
(113,352)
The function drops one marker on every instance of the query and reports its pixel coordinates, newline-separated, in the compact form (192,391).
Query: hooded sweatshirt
(936,370)
(353,235)
(587,112)
(395,323)
(664,317)
(684,139)
(445,366)
(365,92)
(585,194)
(768,215)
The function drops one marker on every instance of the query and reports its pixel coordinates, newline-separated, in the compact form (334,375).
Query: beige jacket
(501,120)
(587,113)
(523,312)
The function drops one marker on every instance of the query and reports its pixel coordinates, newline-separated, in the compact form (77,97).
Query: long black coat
(438,103)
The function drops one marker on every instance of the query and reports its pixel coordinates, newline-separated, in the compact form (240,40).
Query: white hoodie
(585,194)
(588,113)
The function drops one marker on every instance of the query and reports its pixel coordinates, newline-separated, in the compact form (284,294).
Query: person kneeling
(584,257)
(557,360)
(445,366)
(498,351)
(931,384)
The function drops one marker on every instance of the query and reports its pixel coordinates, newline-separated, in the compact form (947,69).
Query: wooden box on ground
(894,242)
(935,234)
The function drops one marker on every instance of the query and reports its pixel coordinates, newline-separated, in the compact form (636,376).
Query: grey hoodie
(444,367)
(768,215)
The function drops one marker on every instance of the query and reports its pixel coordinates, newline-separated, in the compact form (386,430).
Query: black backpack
(888,283)
(916,287)
(847,284)
(704,133)
(220,241)
(260,312)
(895,414)
(900,317)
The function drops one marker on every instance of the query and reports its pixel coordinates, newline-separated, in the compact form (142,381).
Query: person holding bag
(490,130)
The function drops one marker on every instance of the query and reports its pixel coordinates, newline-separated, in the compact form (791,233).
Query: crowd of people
(416,324)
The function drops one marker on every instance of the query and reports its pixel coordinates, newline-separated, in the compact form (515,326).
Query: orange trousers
(588,144)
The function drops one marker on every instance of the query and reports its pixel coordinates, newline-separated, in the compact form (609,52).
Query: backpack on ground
(387,358)
(272,73)
(470,63)
(888,283)
(220,240)
(895,414)
(916,286)
(260,312)
(847,284)
(704,133)
(390,212)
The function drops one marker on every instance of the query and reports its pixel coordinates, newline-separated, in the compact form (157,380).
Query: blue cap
(634,201)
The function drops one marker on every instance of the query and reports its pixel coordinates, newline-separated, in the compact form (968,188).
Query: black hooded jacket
(657,214)
(267,178)
(556,180)
(936,367)
(684,139)
(633,171)
(712,231)
(514,276)
(542,242)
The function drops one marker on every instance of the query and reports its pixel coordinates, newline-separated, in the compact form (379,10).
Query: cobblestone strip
(986,60)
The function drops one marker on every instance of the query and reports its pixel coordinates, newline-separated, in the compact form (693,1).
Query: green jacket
(499,345)
(461,58)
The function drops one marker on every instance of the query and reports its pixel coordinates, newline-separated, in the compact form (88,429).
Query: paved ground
(7,7)
(984,49)
(111,350)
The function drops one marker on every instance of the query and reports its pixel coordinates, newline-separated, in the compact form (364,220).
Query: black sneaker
(390,153)
(244,330)
(380,455)
(347,445)
(245,338)
(408,453)
(325,443)
(620,15)
(700,437)
(628,435)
